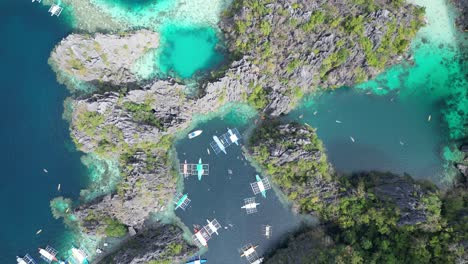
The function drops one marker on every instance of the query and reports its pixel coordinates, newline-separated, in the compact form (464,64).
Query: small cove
(220,195)
(388,116)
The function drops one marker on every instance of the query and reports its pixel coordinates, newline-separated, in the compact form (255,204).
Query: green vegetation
(365,226)
(365,229)
(317,18)
(354,25)
(143,113)
(333,61)
(115,228)
(395,41)
(87,122)
(258,98)
(293,175)
(110,226)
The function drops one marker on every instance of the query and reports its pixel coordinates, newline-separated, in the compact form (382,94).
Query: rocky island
(280,51)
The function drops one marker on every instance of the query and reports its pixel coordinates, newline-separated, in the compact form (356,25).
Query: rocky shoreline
(282,50)
(372,205)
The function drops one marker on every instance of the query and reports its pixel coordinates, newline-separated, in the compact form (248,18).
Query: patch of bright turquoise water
(221,195)
(435,86)
(188,29)
(33,135)
(185,51)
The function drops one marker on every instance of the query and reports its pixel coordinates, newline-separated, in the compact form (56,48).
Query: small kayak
(195,134)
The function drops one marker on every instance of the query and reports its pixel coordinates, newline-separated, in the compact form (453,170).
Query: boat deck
(52,251)
(226,140)
(258,187)
(192,169)
(250,210)
(27,259)
(184,204)
(249,253)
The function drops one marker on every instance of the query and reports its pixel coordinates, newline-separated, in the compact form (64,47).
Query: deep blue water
(33,134)
(221,195)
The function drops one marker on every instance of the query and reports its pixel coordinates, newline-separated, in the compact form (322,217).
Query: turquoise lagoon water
(221,194)
(33,135)
(388,116)
(187,50)
(189,41)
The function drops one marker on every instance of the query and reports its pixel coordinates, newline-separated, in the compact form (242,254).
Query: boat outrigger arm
(260,186)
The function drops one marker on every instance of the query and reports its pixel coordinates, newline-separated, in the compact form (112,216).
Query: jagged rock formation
(294,157)
(301,249)
(160,244)
(132,121)
(403,192)
(299,46)
(102,58)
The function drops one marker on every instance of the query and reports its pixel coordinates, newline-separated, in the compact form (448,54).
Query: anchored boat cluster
(49,255)
(204,233)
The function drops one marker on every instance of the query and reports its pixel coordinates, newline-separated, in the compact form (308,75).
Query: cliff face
(160,244)
(294,157)
(284,49)
(298,46)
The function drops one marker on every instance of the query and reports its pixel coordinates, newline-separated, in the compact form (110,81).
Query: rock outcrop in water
(296,47)
(102,59)
(366,217)
(159,244)
(294,157)
(284,49)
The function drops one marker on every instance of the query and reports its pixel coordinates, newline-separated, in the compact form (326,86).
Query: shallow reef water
(187,50)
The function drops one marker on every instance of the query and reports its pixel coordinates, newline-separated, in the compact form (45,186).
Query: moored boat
(195,133)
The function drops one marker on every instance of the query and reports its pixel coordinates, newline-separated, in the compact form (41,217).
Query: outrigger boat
(203,234)
(266,231)
(78,256)
(248,251)
(219,144)
(233,137)
(195,133)
(48,254)
(185,169)
(200,169)
(260,186)
(181,201)
(55,10)
(27,259)
(197,261)
(250,205)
